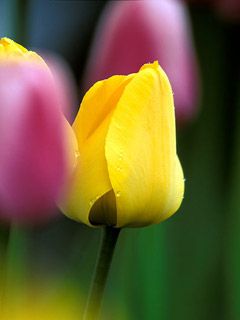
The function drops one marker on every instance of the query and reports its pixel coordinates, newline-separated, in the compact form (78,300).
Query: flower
(132,33)
(128,173)
(34,136)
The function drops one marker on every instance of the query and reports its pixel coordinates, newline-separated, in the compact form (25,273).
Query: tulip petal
(12,50)
(141,150)
(71,145)
(33,160)
(91,179)
(97,104)
(176,197)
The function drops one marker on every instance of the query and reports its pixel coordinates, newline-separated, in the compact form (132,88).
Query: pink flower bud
(132,33)
(33,160)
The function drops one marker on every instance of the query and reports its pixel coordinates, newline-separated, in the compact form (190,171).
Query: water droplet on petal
(118,194)
(120,156)
(77,154)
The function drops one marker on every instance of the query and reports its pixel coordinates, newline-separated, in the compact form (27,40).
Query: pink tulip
(32,144)
(132,33)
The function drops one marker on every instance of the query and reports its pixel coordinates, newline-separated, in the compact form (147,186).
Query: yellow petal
(91,179)
(97,105)
(72,152)
(141,150)
(175,195)
(9,46)
(13,51)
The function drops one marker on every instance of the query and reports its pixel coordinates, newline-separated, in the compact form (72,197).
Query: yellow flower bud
(128,173)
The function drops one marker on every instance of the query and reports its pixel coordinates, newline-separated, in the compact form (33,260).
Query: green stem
(16,253)
(109,240)
(15,267)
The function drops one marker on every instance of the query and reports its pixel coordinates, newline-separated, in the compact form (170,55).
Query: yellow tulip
(128,172)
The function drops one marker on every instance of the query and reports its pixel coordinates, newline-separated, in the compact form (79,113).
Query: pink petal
(32,146)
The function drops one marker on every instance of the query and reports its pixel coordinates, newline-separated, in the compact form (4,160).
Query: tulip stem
(17,252)
(109,240)
(15,266)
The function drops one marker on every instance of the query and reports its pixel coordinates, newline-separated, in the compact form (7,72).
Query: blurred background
(188,267)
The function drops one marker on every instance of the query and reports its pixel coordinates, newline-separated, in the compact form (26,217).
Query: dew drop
(120,156)
(77,154)
(118,194)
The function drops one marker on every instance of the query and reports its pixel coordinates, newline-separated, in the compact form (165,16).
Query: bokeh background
(188,267)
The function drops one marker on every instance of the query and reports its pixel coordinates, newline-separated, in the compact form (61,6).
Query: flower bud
(128,172)
(33,136)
